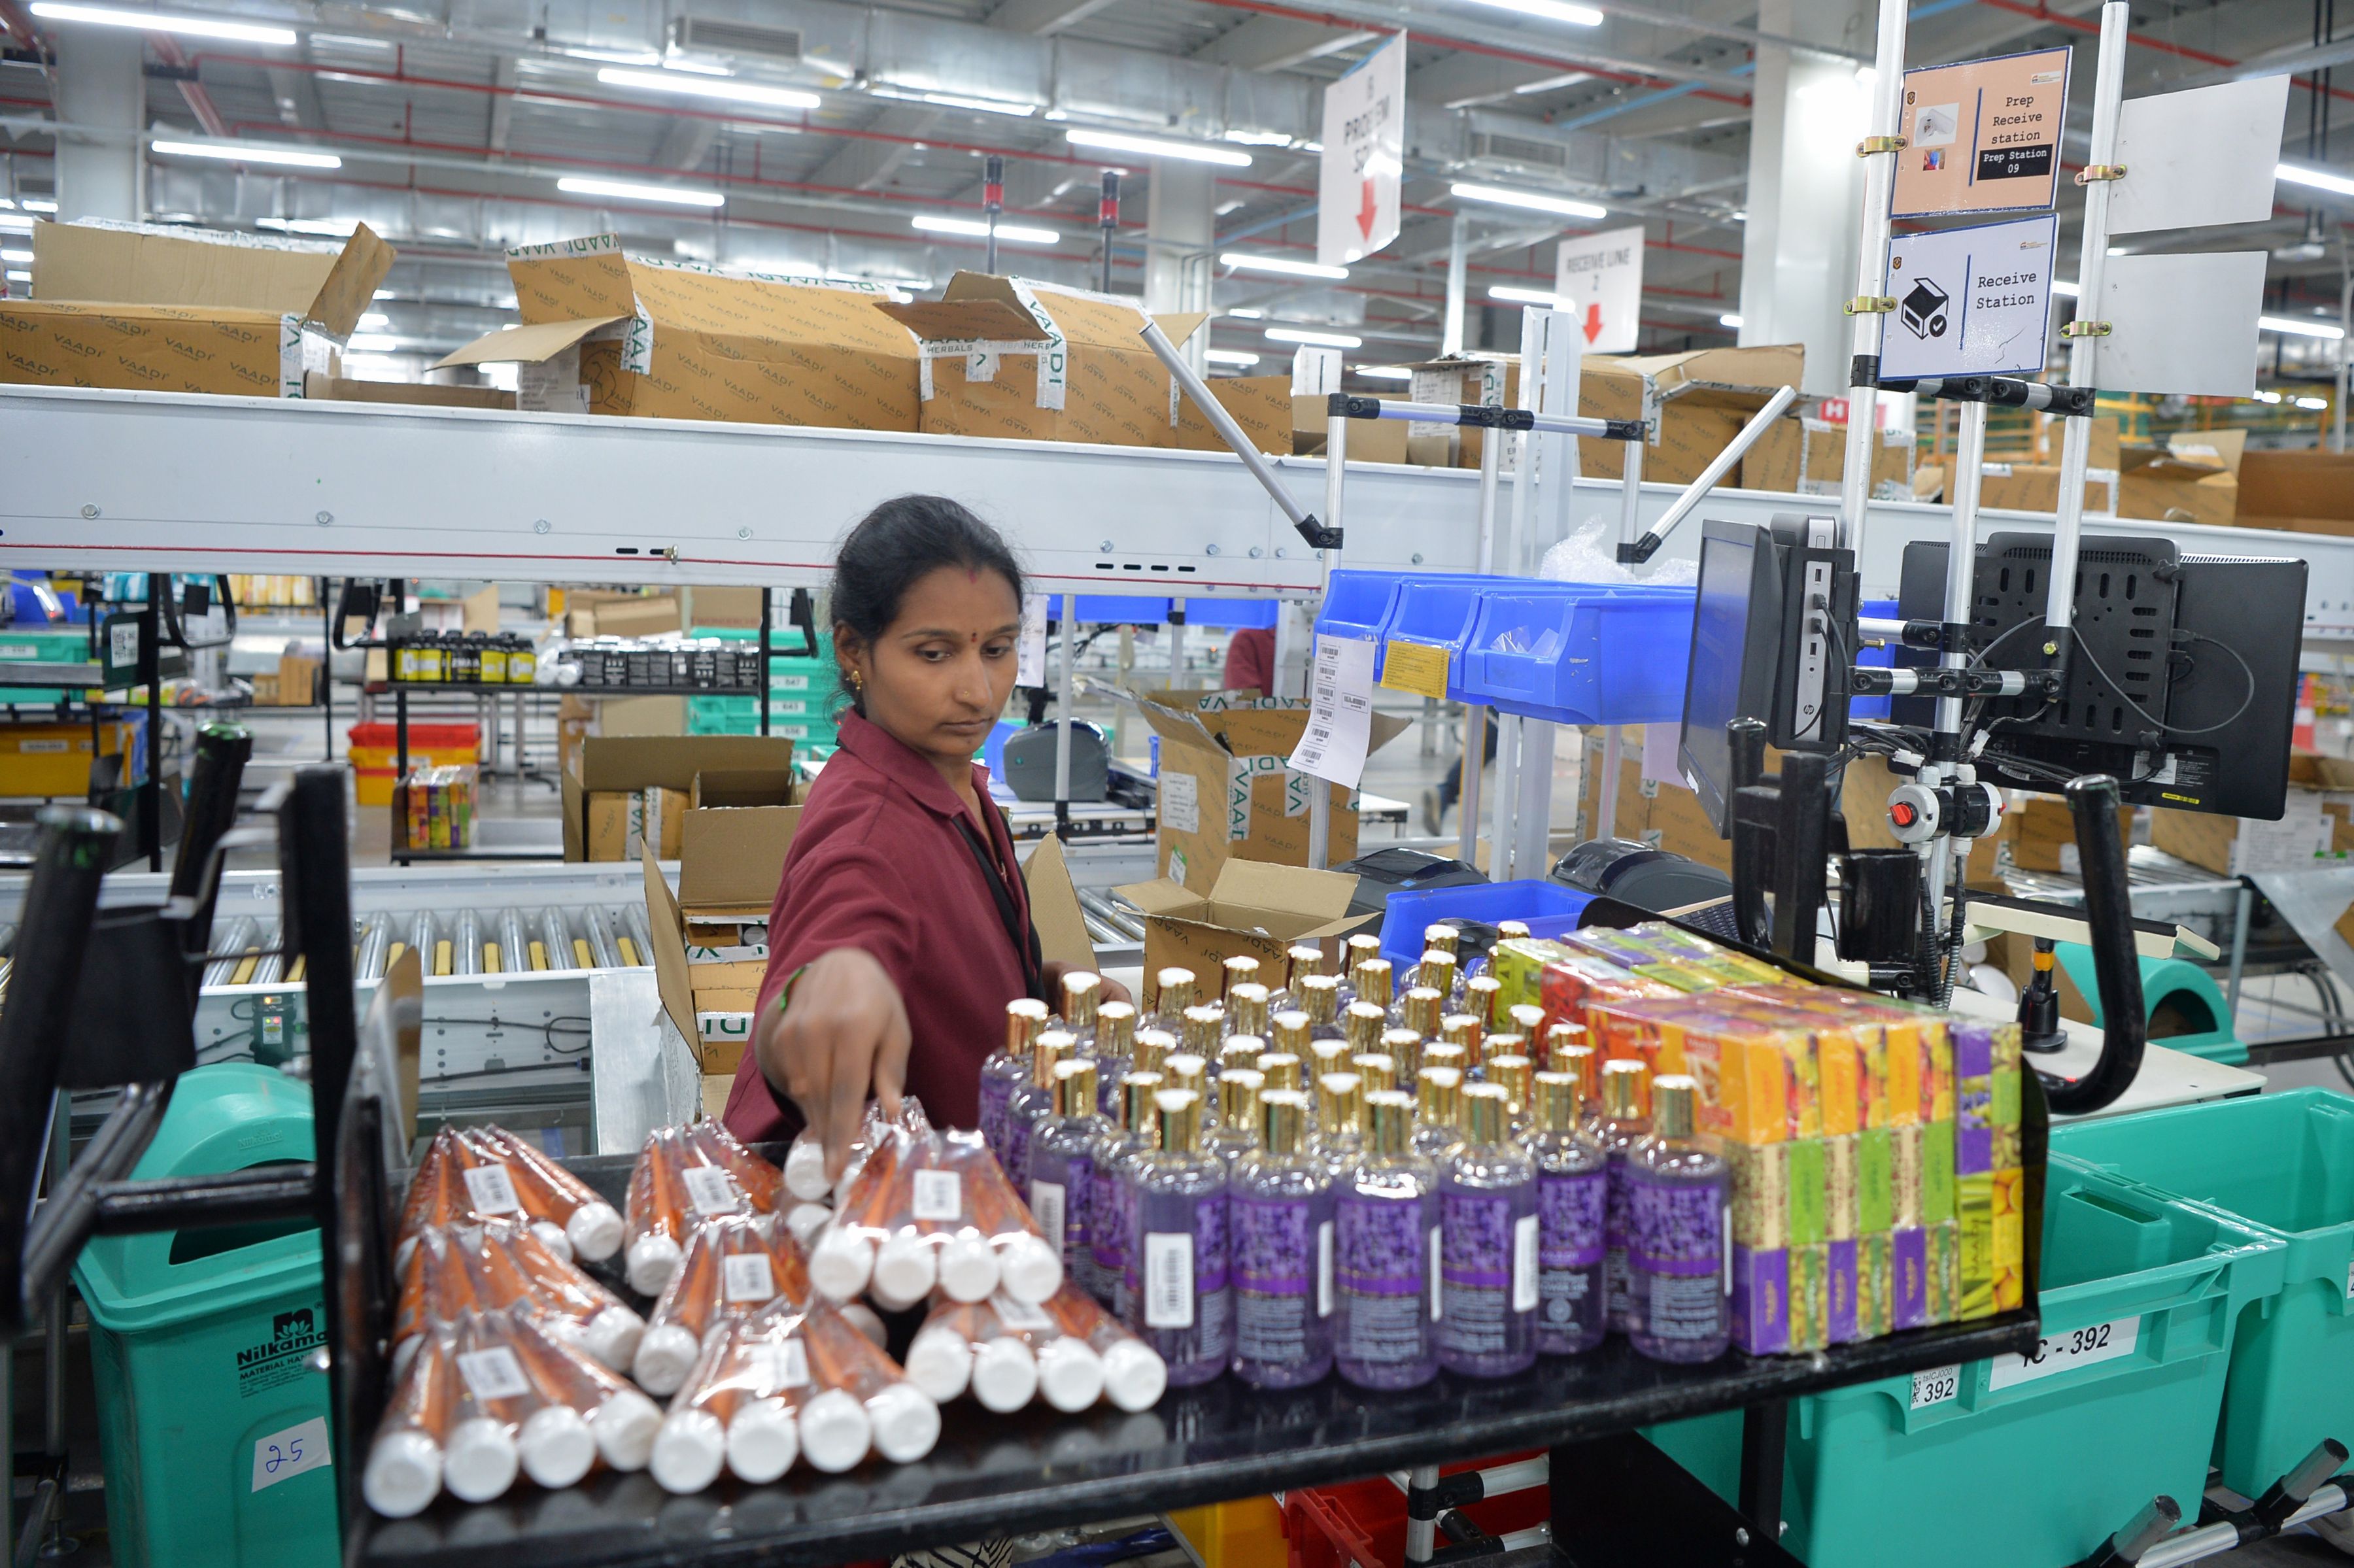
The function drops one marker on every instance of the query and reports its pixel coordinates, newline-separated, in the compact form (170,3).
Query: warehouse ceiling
(457,120)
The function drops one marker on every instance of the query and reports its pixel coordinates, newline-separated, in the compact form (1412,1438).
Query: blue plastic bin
(1115,609)
(1548,908)
(1358,605)
(1238,613)
(1580,653)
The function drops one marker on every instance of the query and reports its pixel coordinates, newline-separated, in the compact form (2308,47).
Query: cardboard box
(1370,440)
(2313,832)
(157,348)
(633,617)
(1660,813)
(2300,491)
(605,825)
(341,389)
(731,860)
(610,333)
(1261,405)
(1252,910)
(716,1088)
(723,606)
(2194,478)
(1226,793)
(1456,379)
(2021,487)
(1696,402)
(2043,834)
(1011,356)
(621,765)
(1055,912)
(1798,456)
(297,681)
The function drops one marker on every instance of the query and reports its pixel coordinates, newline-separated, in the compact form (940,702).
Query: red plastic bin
(1363,1522)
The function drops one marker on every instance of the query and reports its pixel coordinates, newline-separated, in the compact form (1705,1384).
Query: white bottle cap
(1004,1374)
(612,1336)
(1032,1270)
(805,1169)
(654,1259)
(805,1221)
(595,1232)
(841,1265)
(404,1473)
(861,1316)
(689,1451)
(905,1269)
(556,1446)
(664,1357)
(968,1267)
(480,1462)
(625,1426)
(762,1440)
(906,1425)
(1135,1375)
(551,1236)
(940,1362)
(1070,1375)
(834,1431)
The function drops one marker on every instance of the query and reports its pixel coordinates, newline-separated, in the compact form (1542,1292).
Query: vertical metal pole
(1422,1534)
(2239,954)
(1450,335)
(1871,275)
(1107,219)
(1063,715)
(1475,714)
(1764,1437)
(1336,477)
(1502,837)
(766,597)
(1176,643)
(1630,492)
(993,202)
(1532,849)
(327,661)
(1605,807)
(2345,343)
(151,671)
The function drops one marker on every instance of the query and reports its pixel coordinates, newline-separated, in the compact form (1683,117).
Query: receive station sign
(1971,302)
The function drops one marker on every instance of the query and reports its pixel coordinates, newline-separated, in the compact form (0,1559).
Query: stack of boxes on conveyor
(1874,1144)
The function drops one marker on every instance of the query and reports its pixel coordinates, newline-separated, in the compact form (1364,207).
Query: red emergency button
(1903,814)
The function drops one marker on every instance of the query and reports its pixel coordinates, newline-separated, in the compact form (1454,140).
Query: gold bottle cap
(1447,938)
(1511,930)
(1241,1051)
(1305,958)
(1238,1092)
(1247,1007)
(1364,1024)
(1115,1029)
(1361,947)
(1504,1044)
(1081,993)
(1622,1090)
(1454,1058)
(1558,1102)
(1393,1121)
(1328,1056)
(1136,1093)
(1479,994)
(1340,1102)
(1205,1025)
(1486,1112)
(1422,1007)
(1582,1063)
(1462,1029)
(1526,1018)
(1436,971)
(1439,1097)
(1512,1072)
(1320,998)
(1283,1120)
(1053,1046)
(1376,1068)
(1559,1037)
(1176,991)
(1025,1019)
(1675,1105)
(1281,1069)
(1075,1087)
(1153,1048)
(1178,1123)
(1404,1046)
(1240,969)
(1372,979)
(1289,1029)
(1185,1070)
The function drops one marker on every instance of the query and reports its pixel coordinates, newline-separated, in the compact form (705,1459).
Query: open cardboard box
(1254,910)
(2301,492)
(2194,478)
(1695,403)
(622,764)
(1261,405)
(1802,456)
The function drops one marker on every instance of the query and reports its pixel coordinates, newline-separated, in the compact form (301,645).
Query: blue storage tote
(1238,613)
(1358,605)
(1548,908)
(1580,653)
(2285,1164)
(1114,609)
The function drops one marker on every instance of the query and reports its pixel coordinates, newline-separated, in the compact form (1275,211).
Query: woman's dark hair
(893,547)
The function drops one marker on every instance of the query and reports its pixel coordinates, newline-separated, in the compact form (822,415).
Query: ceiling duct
(740,40)
(1519,152)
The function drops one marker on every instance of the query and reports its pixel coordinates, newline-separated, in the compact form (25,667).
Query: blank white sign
(2197,158)
(2180,324)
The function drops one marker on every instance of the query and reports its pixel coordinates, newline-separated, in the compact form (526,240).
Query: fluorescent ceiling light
(1729,320)
(382,294)
(2298,327)
(1549,10)
(1544,297)
(2119,250)
(672,195)
(1246,315)
(1313,339)
(2264,397)
(2064,287)
(1503,195)
(1159,147)
(16,258)
(981,105)
(727,89)
(161,22)
(332,228)
(1383,372)
(2319,179)
(36,204)
(1551,83)
(1249,263)
(1230,357)
(374,320)
(11,223)
(2313,405)
(250,152)
(20,277)
(372,342)
(1013,233)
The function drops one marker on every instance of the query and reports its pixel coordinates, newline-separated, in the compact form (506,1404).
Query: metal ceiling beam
(1277,43)
(502,126)
(1042,15)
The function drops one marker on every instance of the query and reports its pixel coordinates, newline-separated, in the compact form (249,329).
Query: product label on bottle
(1324,1269)
(711,1190)
(492,1190)
(993,1093)
(1020,1315)
(1046,1208)
(493,1373)
(1104,1229)
(747,1277)
(1481,1264)
(1213,1294)
(1385,1279)
(779,1364)
(1524,1263)
(1617,1300)
(1274,1249)
(936,1195)
(1016,1158)
(1168,1281)
(1675,1247)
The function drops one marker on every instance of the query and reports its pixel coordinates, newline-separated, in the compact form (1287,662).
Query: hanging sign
(1599,279)
(1982,136)
(1358,185)
(1971,302)
(2197,158)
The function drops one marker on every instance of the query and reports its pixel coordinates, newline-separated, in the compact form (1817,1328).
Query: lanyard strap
(1021,933)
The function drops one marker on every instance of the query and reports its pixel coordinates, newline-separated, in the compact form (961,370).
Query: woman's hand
(842,1031)
(1054,971)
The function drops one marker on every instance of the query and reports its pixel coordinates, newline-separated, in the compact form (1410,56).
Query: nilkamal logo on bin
(283,1357)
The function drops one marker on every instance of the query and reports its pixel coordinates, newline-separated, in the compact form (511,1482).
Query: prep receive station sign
(1982,136)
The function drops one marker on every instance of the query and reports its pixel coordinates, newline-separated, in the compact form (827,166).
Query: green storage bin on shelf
(212,1422)
(2010,1463)
(44,645)
(2285,1164)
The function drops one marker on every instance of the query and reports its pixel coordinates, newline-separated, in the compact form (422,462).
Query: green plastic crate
(212,1423)
(2039,1470)
(2285,1164)
(44,645)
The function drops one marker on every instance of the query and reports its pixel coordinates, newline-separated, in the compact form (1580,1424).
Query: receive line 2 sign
(1599,281)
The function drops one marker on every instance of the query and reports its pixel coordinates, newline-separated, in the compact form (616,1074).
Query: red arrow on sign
(1369,214)
(1593,321)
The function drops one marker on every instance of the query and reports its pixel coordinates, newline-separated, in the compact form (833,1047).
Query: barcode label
(747,1277)
(938,1196)
(1020,1315)
(122,644)
(1438,1308)
(493,1373)
(1168,1280)
(492,1190)
(1936,1386)
(780,1365)
(1046,1207)
(1524,1263)
(711,1191)
(1324,1269)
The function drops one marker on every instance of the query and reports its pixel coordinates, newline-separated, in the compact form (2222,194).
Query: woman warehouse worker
(902,926)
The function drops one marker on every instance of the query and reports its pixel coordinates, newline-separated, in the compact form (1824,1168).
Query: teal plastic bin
(213,1424)
(2285,1164)
(2010,1462)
